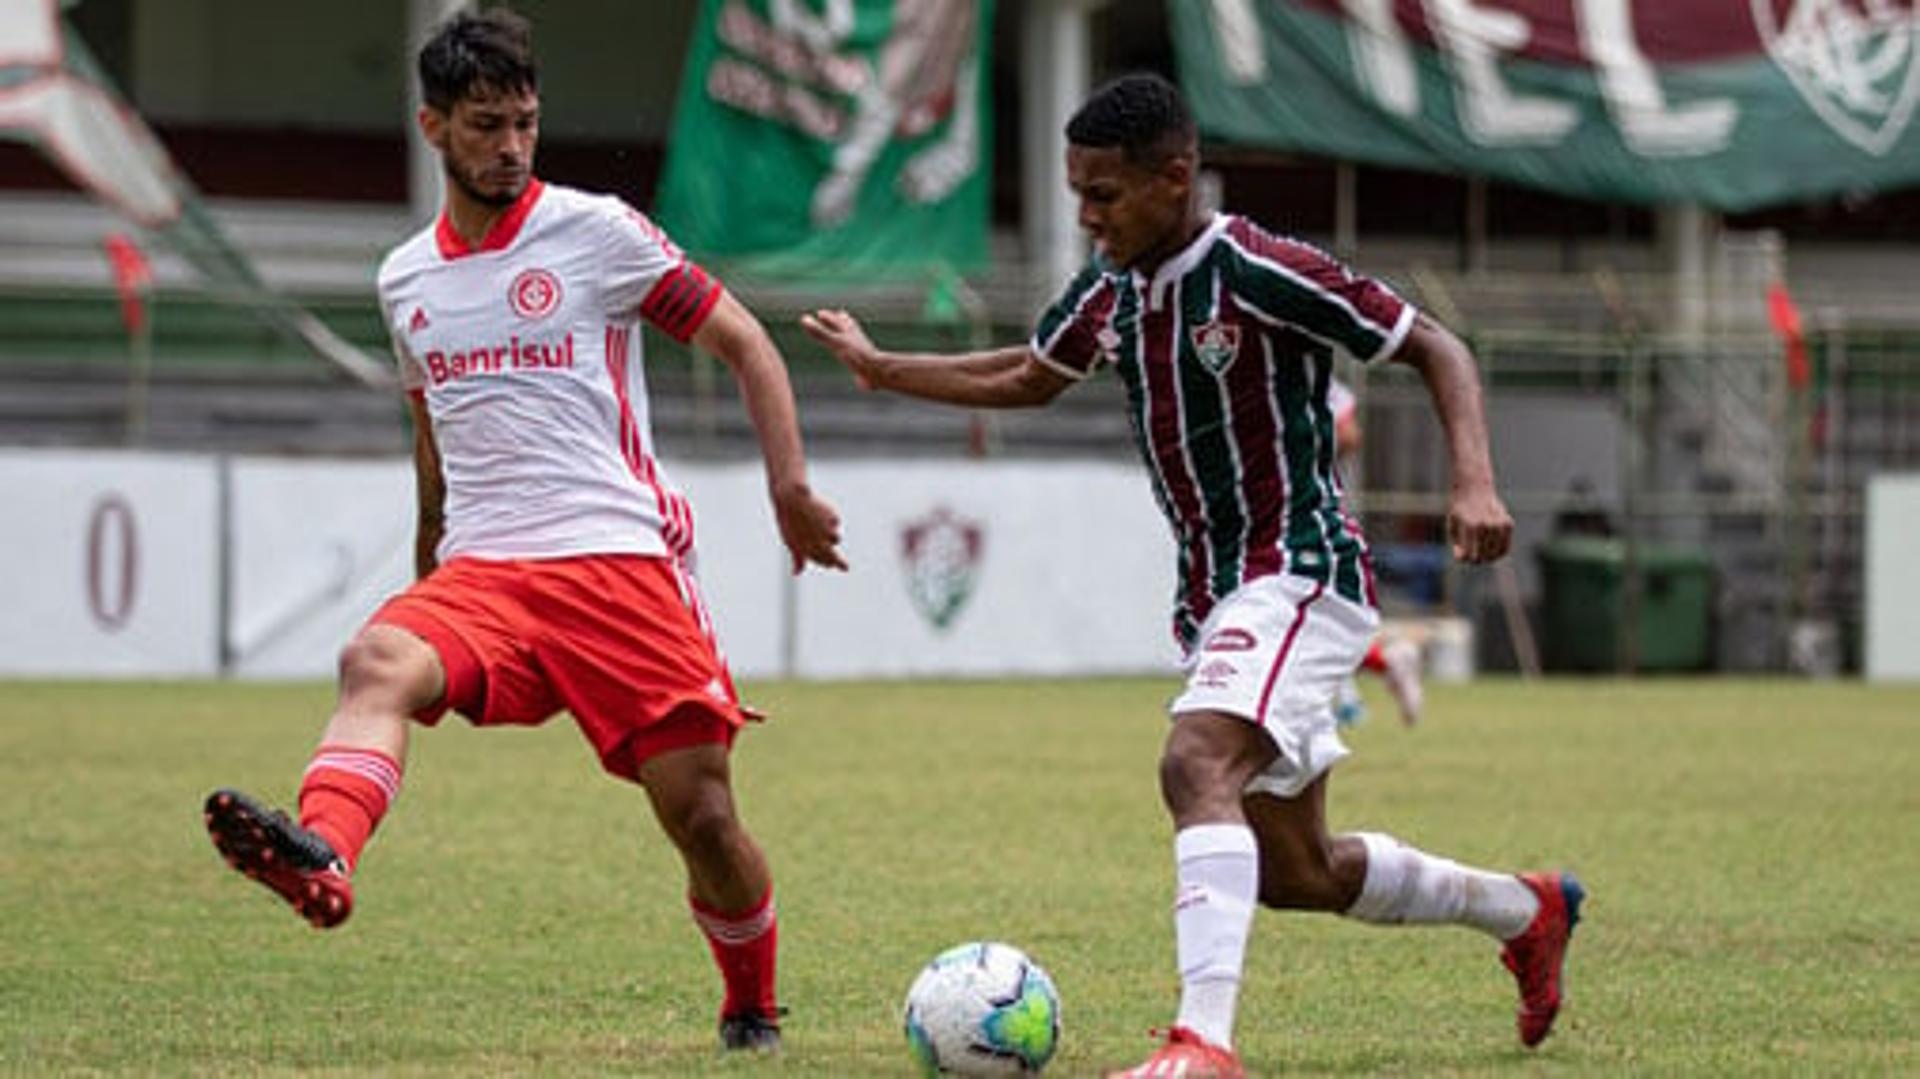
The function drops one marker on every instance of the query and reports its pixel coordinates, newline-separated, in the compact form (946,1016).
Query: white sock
(1219,873)
(1405,886)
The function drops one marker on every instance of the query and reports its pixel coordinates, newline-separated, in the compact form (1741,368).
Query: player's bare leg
(1374,878)
(1401,660)
(386,674)
(729,886)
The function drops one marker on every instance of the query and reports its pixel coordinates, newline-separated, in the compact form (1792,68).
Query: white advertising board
(989,568)
(959,568)
(317,546)
(110,564)
(1891,587)
(741,565)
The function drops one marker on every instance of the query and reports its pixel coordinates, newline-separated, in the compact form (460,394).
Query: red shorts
(618,640)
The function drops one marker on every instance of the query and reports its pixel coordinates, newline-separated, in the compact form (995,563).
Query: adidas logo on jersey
(419,320)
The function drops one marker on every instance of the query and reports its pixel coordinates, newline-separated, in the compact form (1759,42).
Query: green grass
(1751,849)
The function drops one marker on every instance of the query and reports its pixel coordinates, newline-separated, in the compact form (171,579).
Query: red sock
(1376,660)
(345,793)
(744,947)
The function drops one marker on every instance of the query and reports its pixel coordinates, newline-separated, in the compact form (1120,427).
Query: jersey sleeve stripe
(1402,326)
(681,300)
(1072,346)
(1070,372)
(1294,298)
(1280,281)
(674,297)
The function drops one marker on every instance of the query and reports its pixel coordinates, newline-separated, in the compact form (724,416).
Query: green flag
(1734,104)
(845,138)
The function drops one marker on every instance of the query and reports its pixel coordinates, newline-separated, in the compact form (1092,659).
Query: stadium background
(1627,348)
(1748,839)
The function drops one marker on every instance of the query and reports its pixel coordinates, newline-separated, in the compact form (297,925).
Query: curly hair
(492,49)
(1141,113)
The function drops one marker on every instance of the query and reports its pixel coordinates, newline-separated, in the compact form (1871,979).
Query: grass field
(1753,849)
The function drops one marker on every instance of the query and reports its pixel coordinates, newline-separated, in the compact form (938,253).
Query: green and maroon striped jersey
(1227,353)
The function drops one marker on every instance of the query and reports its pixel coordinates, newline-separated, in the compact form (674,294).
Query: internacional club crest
(1854,61)
(940,554)
(1217,344)
(534,294)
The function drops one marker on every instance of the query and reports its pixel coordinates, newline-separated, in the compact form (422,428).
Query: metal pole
(423,164)
(140,372)
(1346,210)
(224,570)
(1630,584)
(1055,67)
(1473,254)
(1834,459)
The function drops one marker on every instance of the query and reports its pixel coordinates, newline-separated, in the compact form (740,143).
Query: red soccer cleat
(297,864)
(1537,955)
(1186,1055)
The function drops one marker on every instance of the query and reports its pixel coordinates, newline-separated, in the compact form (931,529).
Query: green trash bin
(1583,599)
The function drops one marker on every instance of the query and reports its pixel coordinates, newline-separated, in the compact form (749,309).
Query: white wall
(108,564)
(1891,588)
(1072,572)
(317,546)
(959,568)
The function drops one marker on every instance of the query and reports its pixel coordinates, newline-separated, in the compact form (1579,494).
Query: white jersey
(1340,401)
(527,353)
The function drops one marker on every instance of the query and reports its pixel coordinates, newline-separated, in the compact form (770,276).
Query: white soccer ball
(983,1008)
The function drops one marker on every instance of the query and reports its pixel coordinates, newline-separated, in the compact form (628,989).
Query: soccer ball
(983,1008)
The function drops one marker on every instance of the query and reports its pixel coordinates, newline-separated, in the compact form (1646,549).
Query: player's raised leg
(386,674)
(1377,879)
(729,886)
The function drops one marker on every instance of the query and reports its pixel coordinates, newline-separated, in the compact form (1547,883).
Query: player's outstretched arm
(808,525)
(430,490)
(997,378)
(1477,520)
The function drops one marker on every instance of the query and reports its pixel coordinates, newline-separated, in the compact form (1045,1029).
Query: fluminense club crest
(1853,61)
(1217,344)
(940,554)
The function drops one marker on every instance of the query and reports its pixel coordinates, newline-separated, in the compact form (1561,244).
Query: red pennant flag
(133,276)
(1785,318)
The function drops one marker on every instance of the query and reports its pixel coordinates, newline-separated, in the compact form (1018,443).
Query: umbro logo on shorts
(1216,674)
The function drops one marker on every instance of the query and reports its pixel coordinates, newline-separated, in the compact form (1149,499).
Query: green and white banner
(1734,104)
(845,137)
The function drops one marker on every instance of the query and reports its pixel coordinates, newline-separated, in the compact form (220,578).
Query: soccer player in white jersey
(1223,335)
(1395,659)
(554,555)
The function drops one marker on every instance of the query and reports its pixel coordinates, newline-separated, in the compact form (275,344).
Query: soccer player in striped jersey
(555,557)
(1223,334)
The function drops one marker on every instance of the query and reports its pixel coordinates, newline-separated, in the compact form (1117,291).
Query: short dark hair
(491,49)
(1141,113)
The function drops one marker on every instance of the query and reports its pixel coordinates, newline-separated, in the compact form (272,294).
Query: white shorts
(1274,652)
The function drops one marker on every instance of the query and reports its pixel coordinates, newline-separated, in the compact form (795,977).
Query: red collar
(505,227)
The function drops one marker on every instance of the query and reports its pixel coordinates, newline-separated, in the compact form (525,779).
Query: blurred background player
(1223,336)
(555,559)
(1395,659)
